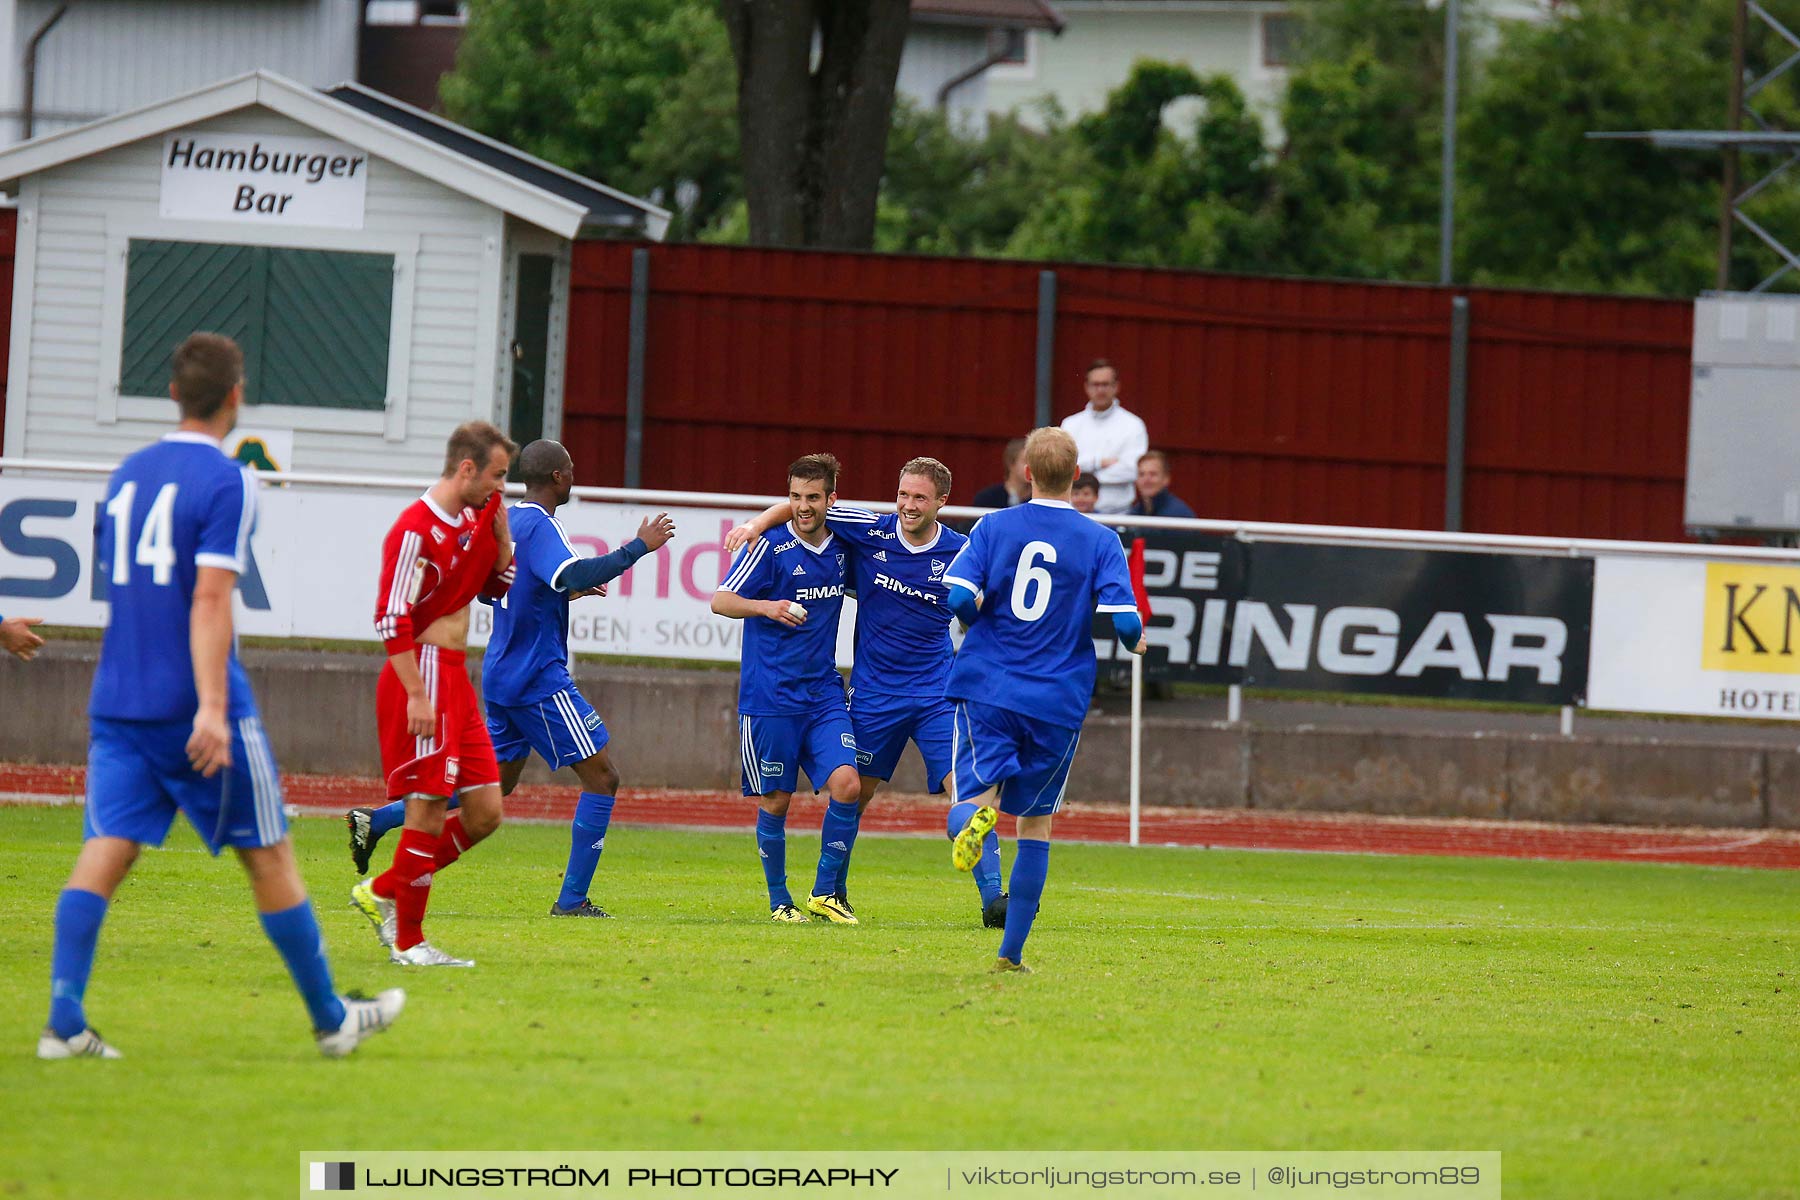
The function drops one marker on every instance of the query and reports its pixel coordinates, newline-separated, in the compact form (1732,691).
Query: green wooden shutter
(313,324)
(325,342)
(173,289)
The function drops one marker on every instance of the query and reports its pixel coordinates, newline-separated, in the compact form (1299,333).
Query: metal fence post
(1458,421)
(634,367)
(1046,344)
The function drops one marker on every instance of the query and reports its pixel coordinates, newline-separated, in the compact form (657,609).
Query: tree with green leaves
(1548,207)
(637,94)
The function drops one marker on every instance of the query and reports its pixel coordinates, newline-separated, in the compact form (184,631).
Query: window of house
(1280,40)
(313,324)
(1007,47)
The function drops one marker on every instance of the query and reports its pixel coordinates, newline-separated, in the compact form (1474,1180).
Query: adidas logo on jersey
(800,569)
(879,556)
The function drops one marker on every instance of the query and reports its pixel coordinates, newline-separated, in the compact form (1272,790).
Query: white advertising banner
(1696,637)
(263,179)
(316,558)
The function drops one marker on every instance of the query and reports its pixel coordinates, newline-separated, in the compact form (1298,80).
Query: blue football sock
(587,837)
(78,917)
(392,815)
(1030,864)
(987,871)
(295,932)
(843,875)
(771,843)
(388,817)
(838,835)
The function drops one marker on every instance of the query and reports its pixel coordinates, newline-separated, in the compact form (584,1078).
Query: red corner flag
(1138,591)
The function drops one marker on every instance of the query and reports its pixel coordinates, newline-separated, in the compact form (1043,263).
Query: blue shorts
(138,776)
(775,750)
(1028,759)
(562,727)
(884,724)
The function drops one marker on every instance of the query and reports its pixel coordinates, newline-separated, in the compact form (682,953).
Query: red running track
(1224,828)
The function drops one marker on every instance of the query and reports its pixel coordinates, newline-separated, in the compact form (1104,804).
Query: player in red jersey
(450,545)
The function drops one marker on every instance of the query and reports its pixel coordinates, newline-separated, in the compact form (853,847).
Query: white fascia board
(655,216)
(420,155)
(121,129)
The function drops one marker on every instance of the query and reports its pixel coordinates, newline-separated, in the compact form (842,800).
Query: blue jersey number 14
(156,541)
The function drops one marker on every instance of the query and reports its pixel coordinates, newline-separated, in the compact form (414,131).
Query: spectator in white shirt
(1108,440)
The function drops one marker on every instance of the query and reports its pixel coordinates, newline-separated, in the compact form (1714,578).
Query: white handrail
(1248,531)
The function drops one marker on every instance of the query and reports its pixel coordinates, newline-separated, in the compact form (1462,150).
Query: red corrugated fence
(1277,399)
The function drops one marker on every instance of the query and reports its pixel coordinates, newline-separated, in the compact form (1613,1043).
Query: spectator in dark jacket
(1154,499)
(1015,488)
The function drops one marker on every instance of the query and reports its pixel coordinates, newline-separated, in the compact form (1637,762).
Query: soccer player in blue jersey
(1027,585)
(172,724)
(787,586)
(532,701)
(903,653)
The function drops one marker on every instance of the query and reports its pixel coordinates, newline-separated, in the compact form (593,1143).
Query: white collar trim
(439,513)
(936,536)
(193,439)
(1050,503)
(818,549)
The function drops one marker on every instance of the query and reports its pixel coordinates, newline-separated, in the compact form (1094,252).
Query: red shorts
(460,756)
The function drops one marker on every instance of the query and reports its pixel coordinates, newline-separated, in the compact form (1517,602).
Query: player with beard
(787,586)
(449,546)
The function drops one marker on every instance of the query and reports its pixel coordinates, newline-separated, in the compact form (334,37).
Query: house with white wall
(388,274)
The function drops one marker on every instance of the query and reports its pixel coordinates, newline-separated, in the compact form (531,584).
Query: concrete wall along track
(678,729)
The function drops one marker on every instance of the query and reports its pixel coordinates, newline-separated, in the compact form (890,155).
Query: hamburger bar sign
(263,179)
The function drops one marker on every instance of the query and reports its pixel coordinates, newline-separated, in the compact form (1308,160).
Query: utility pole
(1447,181)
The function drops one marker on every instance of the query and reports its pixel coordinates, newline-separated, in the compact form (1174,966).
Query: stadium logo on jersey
(820,593)
(879,556)
(771,768)
(938,566)
(882,533)
(787,545)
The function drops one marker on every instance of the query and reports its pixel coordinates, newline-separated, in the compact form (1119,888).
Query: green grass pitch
(1614,1030)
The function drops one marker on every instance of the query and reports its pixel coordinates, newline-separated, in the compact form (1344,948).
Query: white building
(389,274)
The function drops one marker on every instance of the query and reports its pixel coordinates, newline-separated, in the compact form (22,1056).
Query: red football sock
(408,884)
(451,845)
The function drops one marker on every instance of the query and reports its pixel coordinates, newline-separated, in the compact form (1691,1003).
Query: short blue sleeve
(751,575)
(855,525)
(970,566)
(1112,577)
(228,516)
(547,550)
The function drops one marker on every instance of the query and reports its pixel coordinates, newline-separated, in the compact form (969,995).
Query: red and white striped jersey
(434,564)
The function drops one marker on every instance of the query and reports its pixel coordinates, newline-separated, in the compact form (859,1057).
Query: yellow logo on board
(1752,619)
